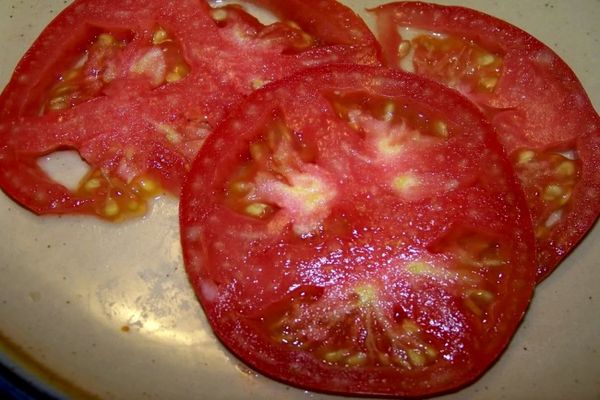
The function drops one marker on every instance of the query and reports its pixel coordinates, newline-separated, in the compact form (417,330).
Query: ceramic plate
(94,310)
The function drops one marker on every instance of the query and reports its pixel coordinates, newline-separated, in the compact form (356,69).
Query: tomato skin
(292,300)
(135,88)
(537,105)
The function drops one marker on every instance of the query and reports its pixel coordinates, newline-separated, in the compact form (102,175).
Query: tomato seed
(160,36)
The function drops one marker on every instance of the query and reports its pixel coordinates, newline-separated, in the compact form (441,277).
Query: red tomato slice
(542,114)
(360,232)
(135,87)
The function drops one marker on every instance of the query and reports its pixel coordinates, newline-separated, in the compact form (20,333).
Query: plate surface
(95,310)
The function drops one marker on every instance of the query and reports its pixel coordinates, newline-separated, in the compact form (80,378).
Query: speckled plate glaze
(94,310)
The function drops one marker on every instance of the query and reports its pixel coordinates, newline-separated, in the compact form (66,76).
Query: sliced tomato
(135,87)
(360,232)
(542,114)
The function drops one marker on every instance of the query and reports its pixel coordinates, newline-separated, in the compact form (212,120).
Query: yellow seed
(336,356)
(170,133)
(366,294)
(92,184)
(419,268)
(403,48)
(257,83)
(415,357)
(389,146)
(241,187)
(388,111)
(486,59)
(403,183)
(148,185)
(219,14)
(293,24)
(553,192)
(492,262)
(258,151)
(478,300)
(179,72)
(106,39)
(356,359)
(430,352)
(160,36)
(566,168)
(566,196)
(401,362)
(58,103)
(71,74)
(256,209)
(110,73)
(410,327)
(525,156)
(481,295)
(133,205)
(111,208)
(173,77)
(440,128)
(488,83)
(307,39)
(81,62)
(61,90)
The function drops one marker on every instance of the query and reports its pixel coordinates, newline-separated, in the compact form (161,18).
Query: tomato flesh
(136,87)
(533,99)
(367,249)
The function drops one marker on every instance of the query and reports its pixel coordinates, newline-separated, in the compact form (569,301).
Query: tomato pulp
(359,232)
(539,109)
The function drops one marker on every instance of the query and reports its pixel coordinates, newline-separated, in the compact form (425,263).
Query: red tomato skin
(235,324)
(95,128)
(553,111)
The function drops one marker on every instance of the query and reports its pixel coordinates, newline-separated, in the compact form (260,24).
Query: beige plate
(97,310)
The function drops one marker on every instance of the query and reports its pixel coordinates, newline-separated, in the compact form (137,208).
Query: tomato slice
(135,87)
(361,232)
(542,114)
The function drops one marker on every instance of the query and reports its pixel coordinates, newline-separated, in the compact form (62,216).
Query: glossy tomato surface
(135,86)
(359,232)
(542,114)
